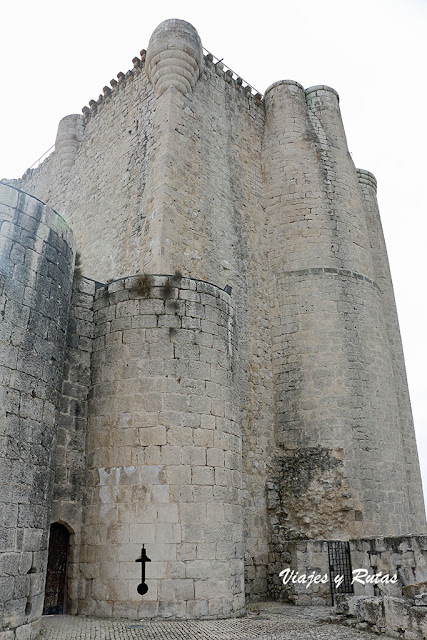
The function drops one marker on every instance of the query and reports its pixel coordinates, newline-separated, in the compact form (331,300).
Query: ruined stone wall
(397,617)
(164,454)
(405,556)
(36,262)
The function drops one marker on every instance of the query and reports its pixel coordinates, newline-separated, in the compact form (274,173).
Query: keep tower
(229,368)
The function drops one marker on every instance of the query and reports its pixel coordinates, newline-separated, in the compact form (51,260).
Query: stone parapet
(402,557)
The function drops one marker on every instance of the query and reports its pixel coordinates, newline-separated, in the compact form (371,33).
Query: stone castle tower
(246,393)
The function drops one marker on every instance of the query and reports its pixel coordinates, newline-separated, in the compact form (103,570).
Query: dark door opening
(54,597)
(340,573)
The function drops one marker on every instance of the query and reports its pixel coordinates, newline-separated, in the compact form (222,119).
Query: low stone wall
(397,617)
(302,557)
(405,556)
(401,556)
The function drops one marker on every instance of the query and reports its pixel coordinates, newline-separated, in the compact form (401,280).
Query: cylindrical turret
(416,512)
(174,56)
(164,454)
(70,134)
(346,211)
(36,262)
(295,187)
(332,367)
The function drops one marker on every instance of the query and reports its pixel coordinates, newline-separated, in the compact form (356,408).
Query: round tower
(36,266)
(164,453)
(333,370)
(416,514)
(174,57)
(70,134)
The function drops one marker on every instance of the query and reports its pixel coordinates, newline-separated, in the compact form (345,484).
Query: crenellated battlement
(116,86)
(110,92)
(139,66)
(232,78)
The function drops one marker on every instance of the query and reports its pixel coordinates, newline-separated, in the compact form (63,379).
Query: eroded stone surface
(390,615)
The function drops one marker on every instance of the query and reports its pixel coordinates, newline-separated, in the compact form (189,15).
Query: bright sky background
(57,56)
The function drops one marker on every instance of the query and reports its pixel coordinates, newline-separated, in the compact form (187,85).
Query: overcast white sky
(57,56)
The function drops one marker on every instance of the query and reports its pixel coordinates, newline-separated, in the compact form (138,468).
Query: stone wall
(36,262)
(303,557)
(405,556)
(96,177)
(70,450)
(397,617)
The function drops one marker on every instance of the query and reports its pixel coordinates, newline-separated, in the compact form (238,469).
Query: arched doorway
(54,597)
